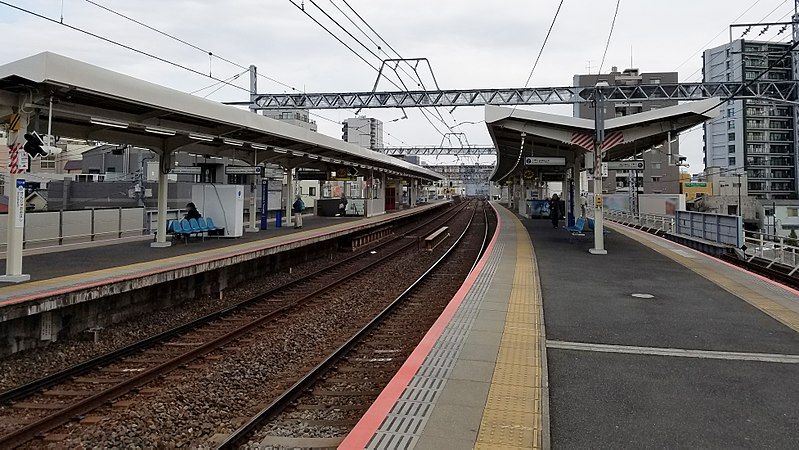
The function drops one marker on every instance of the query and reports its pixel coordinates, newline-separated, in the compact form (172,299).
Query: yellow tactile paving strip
(737,286)
(513,417)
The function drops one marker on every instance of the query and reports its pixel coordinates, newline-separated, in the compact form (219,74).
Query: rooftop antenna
(631,57)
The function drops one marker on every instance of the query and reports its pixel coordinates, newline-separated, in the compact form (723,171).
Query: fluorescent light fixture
(233,142)
(201,137)
(162,131)
(312,156)
(259,146)
(325,159)
(297,153)
(280,150)
(108,123)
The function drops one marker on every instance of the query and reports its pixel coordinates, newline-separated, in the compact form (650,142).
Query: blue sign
(20,183)
(264,202)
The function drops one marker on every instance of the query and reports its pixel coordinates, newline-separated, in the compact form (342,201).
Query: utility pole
(599,138)
(252,228)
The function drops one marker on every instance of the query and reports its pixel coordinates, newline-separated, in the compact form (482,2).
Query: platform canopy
(518,133)
(93,103)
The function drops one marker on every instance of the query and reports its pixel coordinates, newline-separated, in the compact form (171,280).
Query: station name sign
(243,170)
(186,170)
(636,164)
(544,161)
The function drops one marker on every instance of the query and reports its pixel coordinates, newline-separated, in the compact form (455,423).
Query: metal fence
(772,248)
(716,228)
(649,222)
(52,229)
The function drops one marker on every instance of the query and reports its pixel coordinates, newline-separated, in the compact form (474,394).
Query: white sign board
(604,170)
(243,170)
(637,164)
(186,170)
(544,161)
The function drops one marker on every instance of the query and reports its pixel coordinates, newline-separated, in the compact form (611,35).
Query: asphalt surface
(55,264)
(601,400)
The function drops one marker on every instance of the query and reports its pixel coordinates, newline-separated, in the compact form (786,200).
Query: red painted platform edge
(360,436)
(740,269)
(163,269)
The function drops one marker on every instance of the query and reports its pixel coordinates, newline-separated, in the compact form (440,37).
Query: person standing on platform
(297,208)
(554,210)
(191,211)
(342,206)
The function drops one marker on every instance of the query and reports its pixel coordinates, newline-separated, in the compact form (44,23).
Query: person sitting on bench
(192,212)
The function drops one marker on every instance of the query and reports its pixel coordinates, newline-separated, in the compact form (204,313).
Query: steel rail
(278,404)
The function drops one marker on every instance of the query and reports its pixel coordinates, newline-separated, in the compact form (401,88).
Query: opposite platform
(121,275)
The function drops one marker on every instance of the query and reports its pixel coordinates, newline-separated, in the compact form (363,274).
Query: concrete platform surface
(725,329)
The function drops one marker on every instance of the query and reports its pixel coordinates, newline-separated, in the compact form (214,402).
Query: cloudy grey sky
(470,43)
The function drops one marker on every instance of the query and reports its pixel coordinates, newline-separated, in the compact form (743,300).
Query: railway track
(39,407)
(330,398)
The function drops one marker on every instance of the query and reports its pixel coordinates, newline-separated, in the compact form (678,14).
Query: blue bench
(578,227)
(186,228)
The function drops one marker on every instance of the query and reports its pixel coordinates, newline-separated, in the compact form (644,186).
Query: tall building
(364,131)
(755,136)
(298,117)
(660,175)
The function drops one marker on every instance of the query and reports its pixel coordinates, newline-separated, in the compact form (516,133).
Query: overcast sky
(470,44)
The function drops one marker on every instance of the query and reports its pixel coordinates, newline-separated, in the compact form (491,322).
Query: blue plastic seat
(195,227)
(203,224)
(210,223)
(578,226)
(185,226)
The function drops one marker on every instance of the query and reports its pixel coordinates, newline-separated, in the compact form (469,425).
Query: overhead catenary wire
(379,47)
(404,86)
(361,57)
(697,71)
(543,46)
(610,34)
(120,44)
(702,48)
(184,42)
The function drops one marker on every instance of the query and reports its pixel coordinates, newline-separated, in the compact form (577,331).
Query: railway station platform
(546,345)
(74,277)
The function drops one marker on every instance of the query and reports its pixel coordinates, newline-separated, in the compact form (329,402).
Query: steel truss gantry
(782,91)
(438,151)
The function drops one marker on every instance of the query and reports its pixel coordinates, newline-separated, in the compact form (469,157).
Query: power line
(182,41)
(440,117)
(301,8)
(543,44)
(541,50)
(770,40)
(717,35)
(119,44)
(607,44)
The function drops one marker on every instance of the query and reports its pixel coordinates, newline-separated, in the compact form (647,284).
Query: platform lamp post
(599,138)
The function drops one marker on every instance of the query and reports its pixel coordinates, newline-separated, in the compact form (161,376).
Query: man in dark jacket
(554,210)
(298,207)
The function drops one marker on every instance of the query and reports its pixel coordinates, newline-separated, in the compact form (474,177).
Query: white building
(364,131)
(756,136)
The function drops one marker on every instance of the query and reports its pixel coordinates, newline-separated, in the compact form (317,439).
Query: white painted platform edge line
(660,351)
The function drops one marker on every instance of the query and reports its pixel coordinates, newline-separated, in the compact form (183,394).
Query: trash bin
(278,219)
